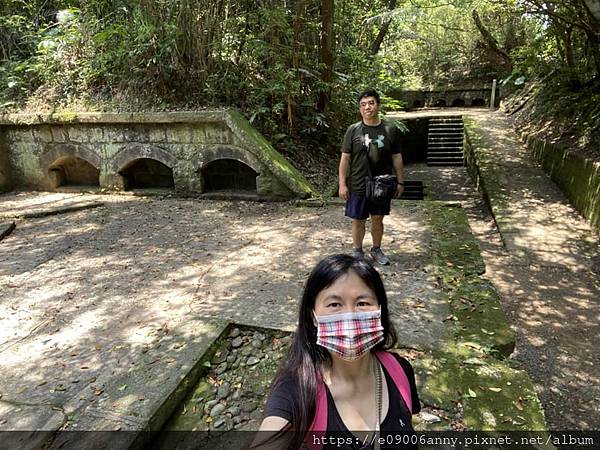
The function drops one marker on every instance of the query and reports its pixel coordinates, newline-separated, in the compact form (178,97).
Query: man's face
(369,108)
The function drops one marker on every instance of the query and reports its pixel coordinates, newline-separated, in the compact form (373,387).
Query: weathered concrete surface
(577,177)
(5,168)
(185,142)
(95,295)
(88,298)
(547,274)
(28,209)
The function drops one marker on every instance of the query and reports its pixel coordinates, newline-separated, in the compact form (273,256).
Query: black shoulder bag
(380,188)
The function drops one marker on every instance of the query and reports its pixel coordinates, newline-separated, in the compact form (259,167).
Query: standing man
(375,142)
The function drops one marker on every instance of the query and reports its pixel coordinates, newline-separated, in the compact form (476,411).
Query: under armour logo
(378,141)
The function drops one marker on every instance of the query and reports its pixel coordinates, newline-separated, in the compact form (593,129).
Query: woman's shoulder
(410,375)
(284,393)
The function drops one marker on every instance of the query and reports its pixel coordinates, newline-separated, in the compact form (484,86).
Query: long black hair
(305,357)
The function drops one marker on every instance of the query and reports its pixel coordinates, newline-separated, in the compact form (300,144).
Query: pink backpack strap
(318,427)
(393,367)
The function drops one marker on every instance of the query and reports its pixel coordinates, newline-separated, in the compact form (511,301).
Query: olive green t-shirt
(381,142)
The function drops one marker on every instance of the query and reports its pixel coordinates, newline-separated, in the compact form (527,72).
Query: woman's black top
(395,425)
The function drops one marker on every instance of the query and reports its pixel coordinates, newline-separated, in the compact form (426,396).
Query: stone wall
(578,178)
(5,170)
(449,97)
(185,142)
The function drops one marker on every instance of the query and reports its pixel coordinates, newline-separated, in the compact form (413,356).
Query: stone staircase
(413,190)
(445,141)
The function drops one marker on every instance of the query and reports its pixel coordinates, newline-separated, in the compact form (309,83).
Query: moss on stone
(269,156)
(480,318)
(63,117)
(577,177)
(468,370)
(454,248)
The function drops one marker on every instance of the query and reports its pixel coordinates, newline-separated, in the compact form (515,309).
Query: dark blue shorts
(358,207)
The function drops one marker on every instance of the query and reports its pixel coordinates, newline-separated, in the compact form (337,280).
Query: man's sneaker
(357,253)
(378,256)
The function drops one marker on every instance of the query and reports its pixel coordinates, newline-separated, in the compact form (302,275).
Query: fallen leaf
(122,388)
(518,405)
(472,393)
(495,389)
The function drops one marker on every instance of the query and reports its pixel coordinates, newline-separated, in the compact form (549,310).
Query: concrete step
(413,190)
(455,150)
(444,137)
(447,129)
(445,133)
(446,143)
(445,154)
(431,156)
(452,119)
(445,164)
(445,161)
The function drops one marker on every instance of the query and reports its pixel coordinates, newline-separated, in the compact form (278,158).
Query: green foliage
(264,57)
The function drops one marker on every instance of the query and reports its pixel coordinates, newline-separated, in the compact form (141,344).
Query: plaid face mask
(350,335)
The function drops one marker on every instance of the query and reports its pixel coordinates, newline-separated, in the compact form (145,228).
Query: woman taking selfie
(338,384)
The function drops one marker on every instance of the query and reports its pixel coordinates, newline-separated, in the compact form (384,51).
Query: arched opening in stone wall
(440,103)
(228,175)
(417,104)
(73,171)
(478,102)
(147,173)
(458,102)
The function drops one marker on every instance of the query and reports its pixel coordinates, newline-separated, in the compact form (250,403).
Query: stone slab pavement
(103,310)
(548,273)
(544,259)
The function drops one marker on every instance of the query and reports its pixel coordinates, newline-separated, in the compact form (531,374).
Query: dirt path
(85,294)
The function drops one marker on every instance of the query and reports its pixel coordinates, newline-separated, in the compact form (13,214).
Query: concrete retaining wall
(577,177)
(469,97)
(5,170)
(183,141)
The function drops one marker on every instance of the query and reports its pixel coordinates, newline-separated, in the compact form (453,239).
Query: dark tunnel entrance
(228,175)
(146,173)
(73,171)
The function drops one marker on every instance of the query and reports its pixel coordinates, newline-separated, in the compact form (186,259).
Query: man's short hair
(369,93)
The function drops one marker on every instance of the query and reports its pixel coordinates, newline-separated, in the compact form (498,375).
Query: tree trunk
(490,40)
(594,8)
(568,41)
(385,26)
(326,52)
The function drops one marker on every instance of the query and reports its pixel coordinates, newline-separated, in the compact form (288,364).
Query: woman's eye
(333,305)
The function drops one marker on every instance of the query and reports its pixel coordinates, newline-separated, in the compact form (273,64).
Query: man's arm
(342,174)
(399,170)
